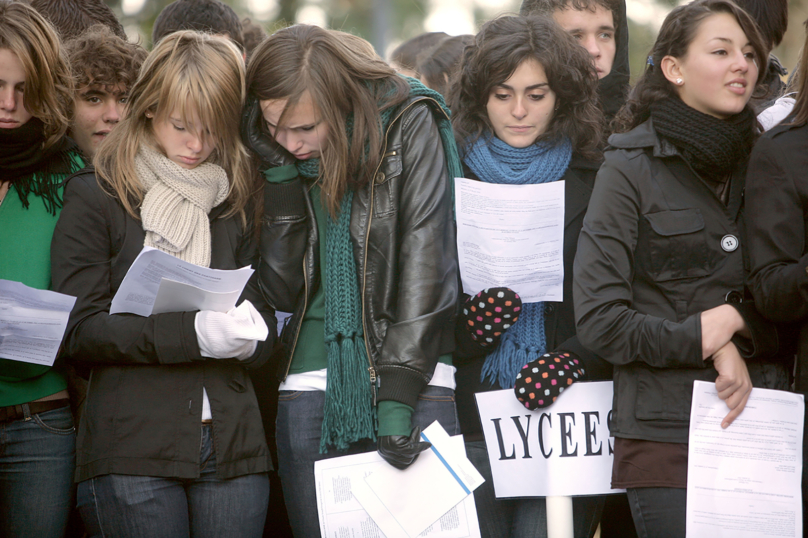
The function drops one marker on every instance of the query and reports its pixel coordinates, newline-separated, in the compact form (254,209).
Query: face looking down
(187,143)
(13,113)
(594,30)
(303,132)
(521,108)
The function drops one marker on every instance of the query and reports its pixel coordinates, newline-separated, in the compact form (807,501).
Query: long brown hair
(674,39)
(48,85)
(345,79)
(190,73)
(499,49)
(799,85)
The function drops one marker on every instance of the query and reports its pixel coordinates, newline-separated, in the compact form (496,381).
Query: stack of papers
(364,496)
(158,282)
(32,322)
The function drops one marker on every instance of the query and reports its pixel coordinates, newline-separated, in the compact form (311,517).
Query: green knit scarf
(349,414)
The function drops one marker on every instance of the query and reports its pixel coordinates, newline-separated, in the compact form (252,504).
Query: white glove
(234,334)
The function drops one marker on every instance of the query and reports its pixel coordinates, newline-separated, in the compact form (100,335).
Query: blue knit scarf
(494,161)
(348,413)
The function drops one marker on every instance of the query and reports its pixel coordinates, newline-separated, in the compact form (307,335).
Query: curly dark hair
(71,18)
(498,50)
(99,57)
(674,39)
(548,7)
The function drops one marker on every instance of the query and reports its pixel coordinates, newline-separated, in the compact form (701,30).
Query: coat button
(729,243)
(733,297)
(549,309)
(380,177)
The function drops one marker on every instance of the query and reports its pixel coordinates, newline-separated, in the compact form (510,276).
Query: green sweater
(25,257)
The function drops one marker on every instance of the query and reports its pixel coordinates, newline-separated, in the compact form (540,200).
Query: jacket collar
(641,137)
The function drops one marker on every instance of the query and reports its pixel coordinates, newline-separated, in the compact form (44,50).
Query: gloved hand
(541,381)
(401,451)
(490,313)
(234,334)
(258,140)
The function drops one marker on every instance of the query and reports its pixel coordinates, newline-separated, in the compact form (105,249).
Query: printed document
(341,513)
(158,282)
(511,236)
(32,322)
(744,482)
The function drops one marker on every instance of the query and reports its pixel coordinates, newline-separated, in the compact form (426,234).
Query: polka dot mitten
(490,313)
(541,381)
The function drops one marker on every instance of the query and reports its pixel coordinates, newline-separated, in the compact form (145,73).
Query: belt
(17,412)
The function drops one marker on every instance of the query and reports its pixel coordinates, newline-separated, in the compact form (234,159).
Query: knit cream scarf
(177,202)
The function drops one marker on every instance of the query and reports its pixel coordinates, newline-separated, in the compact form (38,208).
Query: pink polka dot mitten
(490,313)
(541,381)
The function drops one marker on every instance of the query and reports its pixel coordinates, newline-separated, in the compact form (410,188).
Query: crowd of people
(330,171)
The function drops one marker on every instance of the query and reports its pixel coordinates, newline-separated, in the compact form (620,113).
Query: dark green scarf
(349,414)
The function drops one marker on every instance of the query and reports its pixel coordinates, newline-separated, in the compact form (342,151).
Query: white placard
(511,236)
(32,322)
(341,514)
(744,481)
(561,450)
(189,287)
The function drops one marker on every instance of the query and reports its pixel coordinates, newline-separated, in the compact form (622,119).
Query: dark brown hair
(677,33)
(800,110)
(499,49)
(406,54)
(344,78)
(72,18)
(771,17)
(438,65)
(253,33)
(548,7)
(99,57)
(208,16)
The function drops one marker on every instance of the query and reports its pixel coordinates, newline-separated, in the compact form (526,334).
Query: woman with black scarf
(659,277)
(37,437)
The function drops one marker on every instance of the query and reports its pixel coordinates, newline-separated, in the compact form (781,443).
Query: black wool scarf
(713,147)
(32,170)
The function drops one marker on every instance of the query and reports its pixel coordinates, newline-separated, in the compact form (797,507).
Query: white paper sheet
(341,514)
(143,288)
(744,482)
(32,322)
(405,503)
(563,449)
(512,236)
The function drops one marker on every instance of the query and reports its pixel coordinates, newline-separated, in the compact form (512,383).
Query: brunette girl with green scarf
(358,243)
(37,444)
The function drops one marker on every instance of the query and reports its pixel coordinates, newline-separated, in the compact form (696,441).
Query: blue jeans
(119,506)
(658,512)
(37,461)
(527,517)
(300,417)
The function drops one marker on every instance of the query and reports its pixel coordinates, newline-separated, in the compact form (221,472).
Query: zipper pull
(374,383)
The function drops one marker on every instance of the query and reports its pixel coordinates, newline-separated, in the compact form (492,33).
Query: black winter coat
(657,248)
(143,410)
(404,245)
(559,320)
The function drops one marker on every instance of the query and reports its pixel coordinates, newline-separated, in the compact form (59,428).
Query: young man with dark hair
(600,26)
(71,18)
(104,68)
(211,16)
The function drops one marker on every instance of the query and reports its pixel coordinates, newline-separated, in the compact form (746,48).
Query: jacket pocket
(385,202)
(665,394)
(677,245)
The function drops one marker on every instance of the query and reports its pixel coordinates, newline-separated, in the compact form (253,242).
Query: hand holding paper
(401,451)
(733,383)
(232,334)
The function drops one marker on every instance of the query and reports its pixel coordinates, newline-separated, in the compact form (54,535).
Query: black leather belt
(15,412)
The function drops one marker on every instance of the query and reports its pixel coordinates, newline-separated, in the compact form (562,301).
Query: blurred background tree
(386,23)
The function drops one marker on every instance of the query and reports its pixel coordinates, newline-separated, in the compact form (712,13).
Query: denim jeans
(527,517)
(658,512)
(300,417)
(37,461)
(121,506)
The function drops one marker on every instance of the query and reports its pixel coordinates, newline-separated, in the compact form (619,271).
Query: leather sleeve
(602,282)
(81,258)
(427,272)
(283,244)
(775,223)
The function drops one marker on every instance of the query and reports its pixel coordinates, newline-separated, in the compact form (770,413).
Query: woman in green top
(37,438)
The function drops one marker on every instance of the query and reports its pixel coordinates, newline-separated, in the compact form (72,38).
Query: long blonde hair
(344,77)
(48,84)
(187,73)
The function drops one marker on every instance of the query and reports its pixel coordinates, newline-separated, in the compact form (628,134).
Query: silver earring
(679,81)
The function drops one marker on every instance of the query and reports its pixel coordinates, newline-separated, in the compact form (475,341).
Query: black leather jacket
(404,244)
